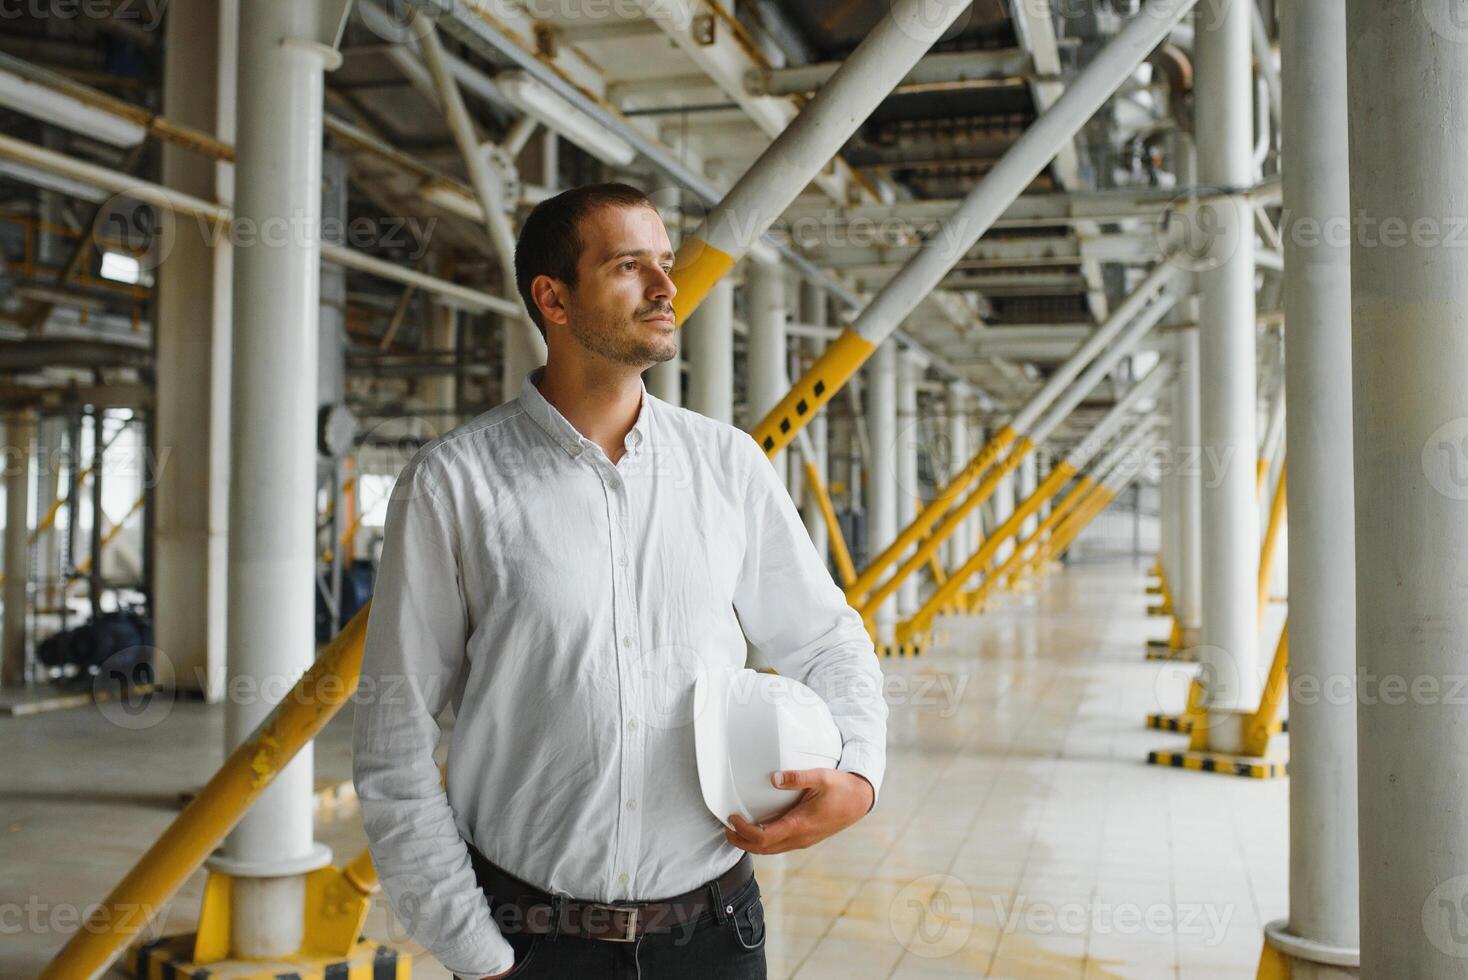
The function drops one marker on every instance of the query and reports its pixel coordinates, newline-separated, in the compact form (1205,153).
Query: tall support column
(51,442)
(882,486)
(908,438)
(1027,474)
(272,514)
(1324,886)
(665,379)
(1229,650)
(958,547)
(767,382)
(1407,70)
(813,311)
(440,390)
(191,417)
(1003,507)
(1187,460)
(20,434)
(708,343)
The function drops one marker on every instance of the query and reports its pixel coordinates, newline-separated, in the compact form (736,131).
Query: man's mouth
(661,317)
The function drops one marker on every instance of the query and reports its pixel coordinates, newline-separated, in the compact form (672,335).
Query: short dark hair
(550,241)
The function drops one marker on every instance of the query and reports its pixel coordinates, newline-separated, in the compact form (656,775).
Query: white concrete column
(1003,501)
(20,436)
(665,379)
(1230,642)
(813,310)
(1407,98)
(909,435)
(960,544)
(765,365)
(272,514)
(1187,596)
(51,447)
(883,486)
(520,357)
(1324,885)
(1026,487)
(192,408)
(708,343)
(439,390)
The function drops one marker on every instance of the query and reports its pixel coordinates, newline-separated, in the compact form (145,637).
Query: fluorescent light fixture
(555,113)
(121,268)
(67,111)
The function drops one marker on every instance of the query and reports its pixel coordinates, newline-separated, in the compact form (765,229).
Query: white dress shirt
(563,604)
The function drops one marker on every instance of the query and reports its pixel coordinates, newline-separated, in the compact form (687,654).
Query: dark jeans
(719,945)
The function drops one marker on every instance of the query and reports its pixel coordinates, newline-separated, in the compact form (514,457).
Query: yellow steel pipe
(200,827)
(842,358)
(839,550)
(1013,566)
(932,512)
(1071,528)
(949,524)
(1271,542)
(1259,726)
(1048,488)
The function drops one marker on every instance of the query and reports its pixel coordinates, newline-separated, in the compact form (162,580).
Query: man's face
(622,306)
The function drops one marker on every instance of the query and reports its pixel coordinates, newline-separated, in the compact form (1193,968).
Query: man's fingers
(799,778)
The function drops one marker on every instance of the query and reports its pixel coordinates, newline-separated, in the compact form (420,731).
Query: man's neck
(602,404)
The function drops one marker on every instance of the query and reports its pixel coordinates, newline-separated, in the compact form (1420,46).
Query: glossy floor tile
(1019,833)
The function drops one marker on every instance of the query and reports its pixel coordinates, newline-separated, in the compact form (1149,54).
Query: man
(559,569)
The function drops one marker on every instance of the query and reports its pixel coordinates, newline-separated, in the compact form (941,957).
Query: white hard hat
(747,725)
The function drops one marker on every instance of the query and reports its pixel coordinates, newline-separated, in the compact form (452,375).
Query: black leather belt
(519,905)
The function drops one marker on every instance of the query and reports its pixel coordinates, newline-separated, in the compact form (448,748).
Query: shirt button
(622,560)
(615,484)
(632,725)
(622,878)
(631,804)
(626,641)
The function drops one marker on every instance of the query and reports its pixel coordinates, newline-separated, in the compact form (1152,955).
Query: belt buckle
(630,935)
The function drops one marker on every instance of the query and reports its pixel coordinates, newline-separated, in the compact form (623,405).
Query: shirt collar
(566,435)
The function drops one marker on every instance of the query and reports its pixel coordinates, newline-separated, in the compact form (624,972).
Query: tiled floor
(1019,833)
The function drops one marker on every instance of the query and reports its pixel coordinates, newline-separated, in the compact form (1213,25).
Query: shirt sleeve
(415,653)
(793,611)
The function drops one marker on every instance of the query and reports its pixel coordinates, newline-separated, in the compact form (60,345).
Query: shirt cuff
(864,760)
(478,957)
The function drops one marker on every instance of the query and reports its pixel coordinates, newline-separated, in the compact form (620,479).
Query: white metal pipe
(190,206)
(1026,475)
(1160,277)
(909,435)
(1264,54)
(767,380)
(530,346)
(814,311)
(272,516)
(1119,414)
(1101,367)
(1188,464)
(958,547)
(1019,165)
(1407,78)
(797,155)
(1324,886)
(1229,651)
(665,379)
(20,434)
(1002,64)
(881,416)
(708,343)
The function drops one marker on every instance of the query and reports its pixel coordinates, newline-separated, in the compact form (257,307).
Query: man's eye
(629,264)
(668,269)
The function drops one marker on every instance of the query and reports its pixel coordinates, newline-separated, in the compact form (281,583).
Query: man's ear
(550,297)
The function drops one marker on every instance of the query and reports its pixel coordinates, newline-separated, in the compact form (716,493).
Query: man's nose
(662,286)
